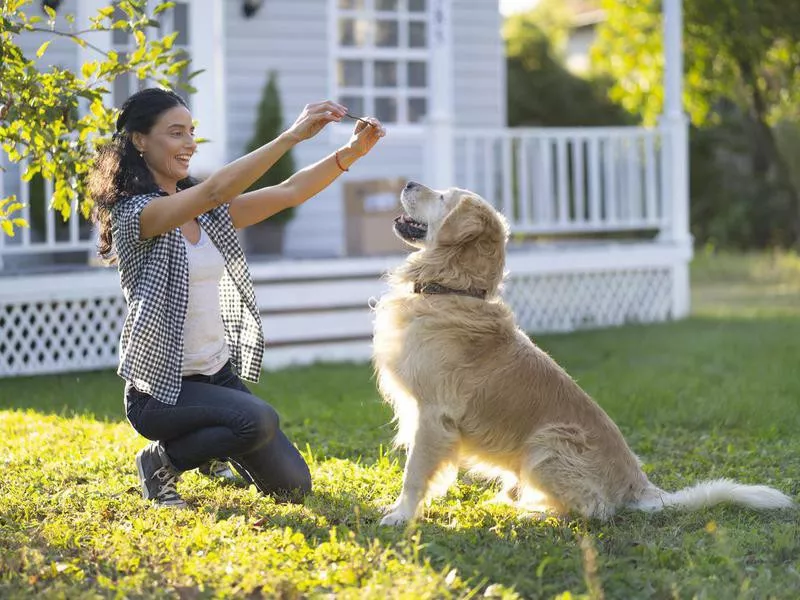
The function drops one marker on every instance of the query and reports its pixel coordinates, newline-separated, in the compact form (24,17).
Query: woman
(193,327)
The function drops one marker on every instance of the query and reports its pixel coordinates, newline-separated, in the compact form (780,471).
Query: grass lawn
(717,395)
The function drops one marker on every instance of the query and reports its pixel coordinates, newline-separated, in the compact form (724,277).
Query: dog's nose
(411,185)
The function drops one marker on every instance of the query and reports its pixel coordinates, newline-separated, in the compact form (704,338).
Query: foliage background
(53,117)
(741,92)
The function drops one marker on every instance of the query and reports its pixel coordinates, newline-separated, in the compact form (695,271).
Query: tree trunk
(766,154)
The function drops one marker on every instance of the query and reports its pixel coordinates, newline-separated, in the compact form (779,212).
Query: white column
(207,48)
(440,117)
(675,158)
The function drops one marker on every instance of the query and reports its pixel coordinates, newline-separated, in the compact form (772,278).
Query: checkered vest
(154,276)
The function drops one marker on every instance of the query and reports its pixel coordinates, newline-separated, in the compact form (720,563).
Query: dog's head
(458,232)
(446,217)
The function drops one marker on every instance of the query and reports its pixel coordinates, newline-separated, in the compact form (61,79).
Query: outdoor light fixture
(250,7)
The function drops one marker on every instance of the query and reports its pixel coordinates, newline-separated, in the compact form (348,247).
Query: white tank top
(205,350)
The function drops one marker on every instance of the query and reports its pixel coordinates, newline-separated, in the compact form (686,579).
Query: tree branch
(73,36)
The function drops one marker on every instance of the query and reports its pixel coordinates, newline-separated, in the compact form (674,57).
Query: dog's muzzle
(409,229)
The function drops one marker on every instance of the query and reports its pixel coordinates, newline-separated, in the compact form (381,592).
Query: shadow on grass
(703,372)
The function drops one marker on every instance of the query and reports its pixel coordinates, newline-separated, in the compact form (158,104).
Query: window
(169,21)
(382,58)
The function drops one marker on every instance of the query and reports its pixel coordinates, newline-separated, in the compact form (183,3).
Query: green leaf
(162,7)
(169,40)
(88,69)
(7,227)
(106,11)
(42,49)
(97,108)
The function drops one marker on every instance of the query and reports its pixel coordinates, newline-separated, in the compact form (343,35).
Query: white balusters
(562,183)
(650,184)
(507,202)
(524,184)
(24,196)
(578,179)
(595,191)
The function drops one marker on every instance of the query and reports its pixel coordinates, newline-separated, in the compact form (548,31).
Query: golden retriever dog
(470,389)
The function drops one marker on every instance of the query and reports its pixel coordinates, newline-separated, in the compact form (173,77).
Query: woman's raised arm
(165,213)
(258,205)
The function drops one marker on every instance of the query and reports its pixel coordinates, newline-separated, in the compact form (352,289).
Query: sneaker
(217,468)
(158,477)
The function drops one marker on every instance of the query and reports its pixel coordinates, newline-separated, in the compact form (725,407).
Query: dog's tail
(709,493)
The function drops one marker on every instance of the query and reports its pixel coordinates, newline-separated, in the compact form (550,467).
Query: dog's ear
(470,219)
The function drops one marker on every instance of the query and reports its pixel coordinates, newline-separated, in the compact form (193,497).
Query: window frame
(369,55)
(166,26)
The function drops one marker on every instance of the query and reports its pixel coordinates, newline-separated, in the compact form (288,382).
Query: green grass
(713,396)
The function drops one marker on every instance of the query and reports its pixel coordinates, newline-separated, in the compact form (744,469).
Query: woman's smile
(184,159)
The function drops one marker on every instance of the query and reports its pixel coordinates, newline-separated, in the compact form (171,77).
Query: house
(586,16)
(599,215)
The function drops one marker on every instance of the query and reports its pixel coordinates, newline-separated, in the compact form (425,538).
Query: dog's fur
(469,388)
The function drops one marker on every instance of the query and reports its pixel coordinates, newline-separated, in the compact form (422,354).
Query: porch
(599,239)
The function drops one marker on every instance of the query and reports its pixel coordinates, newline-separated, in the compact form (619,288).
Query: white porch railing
(48,232)
(568,181)
(547,181)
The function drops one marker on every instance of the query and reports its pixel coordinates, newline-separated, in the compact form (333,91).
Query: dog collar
(438,288)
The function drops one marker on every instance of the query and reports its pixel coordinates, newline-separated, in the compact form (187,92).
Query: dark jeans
(216,416)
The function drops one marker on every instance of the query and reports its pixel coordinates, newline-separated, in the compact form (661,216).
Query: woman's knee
(302,481)
(263,424)
(297,484)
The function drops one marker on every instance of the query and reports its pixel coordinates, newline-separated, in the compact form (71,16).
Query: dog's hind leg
(562,466)
(434,445)
(509,492)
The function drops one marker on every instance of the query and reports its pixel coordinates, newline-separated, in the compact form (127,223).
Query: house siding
(293,39)
(290,38)
(478,64)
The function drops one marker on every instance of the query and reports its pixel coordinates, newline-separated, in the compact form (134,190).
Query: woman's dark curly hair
(119,171)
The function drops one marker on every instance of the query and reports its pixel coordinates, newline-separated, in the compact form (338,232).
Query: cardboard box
(370,209)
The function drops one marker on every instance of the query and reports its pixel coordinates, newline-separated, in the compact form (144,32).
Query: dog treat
(358,119)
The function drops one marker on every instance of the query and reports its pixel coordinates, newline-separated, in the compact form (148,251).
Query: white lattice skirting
(318,310)
(570,301)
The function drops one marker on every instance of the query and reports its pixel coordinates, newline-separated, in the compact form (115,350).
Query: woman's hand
(314,118)
(366,134)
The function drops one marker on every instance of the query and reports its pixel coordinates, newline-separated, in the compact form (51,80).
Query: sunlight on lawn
(712,396)
(749,285)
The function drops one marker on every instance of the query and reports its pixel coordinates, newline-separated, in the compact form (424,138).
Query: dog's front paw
(395,517)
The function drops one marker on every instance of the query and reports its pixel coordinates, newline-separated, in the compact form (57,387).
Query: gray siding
(293,38)
(287,36)
(479,64)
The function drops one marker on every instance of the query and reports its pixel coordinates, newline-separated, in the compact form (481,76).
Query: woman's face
(169,147)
